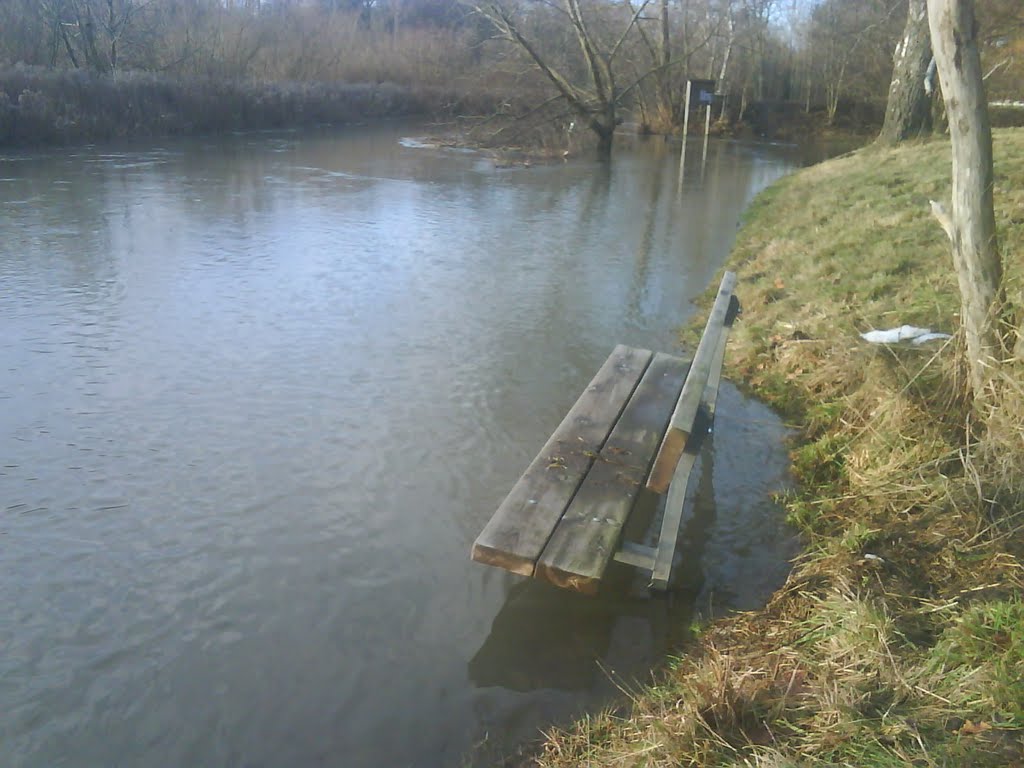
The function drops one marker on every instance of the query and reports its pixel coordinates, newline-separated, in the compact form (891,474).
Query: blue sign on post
(702,93)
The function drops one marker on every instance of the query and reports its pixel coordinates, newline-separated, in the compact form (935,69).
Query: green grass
(899,637)
(983,651)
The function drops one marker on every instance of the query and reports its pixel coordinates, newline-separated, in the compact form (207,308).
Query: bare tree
(908,112)
(690,45)
(970,224)
(91,32)
(848,38)
(25,33)
(752,43)
(115,18)
(598,99)
(723,72)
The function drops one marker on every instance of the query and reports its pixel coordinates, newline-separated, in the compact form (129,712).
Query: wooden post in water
(686,130)
(707,132)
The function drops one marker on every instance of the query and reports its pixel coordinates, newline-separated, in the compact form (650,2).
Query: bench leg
(662,572)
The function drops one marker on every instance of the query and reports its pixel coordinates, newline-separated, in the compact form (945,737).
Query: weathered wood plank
(661,572)
(637,555)
(587,537)
(517,533)
(681,424)
(666,549)
(715,376)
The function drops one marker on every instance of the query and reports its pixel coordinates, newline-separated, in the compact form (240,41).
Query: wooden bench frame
(562,522)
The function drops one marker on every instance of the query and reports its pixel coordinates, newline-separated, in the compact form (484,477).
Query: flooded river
(259,394)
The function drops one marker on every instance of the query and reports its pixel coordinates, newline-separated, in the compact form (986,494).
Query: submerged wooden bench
(640,422)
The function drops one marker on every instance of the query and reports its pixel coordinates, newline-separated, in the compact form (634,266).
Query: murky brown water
(259,394)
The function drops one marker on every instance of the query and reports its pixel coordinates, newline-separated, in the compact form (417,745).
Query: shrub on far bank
(40,106)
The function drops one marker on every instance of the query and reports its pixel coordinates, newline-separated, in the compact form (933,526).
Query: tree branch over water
(598,100)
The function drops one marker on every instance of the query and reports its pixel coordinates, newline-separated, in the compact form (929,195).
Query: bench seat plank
(517,533)
(587,537)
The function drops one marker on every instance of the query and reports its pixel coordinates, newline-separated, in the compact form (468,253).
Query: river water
(258,395)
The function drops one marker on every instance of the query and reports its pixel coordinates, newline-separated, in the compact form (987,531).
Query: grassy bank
(40,106)
(899,637)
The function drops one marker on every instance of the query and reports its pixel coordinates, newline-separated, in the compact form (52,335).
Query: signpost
(699,93)
(702,93)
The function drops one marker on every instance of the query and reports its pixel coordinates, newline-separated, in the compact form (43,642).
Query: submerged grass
(899,636)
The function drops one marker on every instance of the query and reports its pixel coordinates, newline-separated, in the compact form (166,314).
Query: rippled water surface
(259,394)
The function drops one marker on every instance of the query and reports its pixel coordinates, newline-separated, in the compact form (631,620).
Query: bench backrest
(701,386)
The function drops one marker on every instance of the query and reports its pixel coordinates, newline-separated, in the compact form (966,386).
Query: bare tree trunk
(908,112)
(604,141)
(113,32)
(724,71)
(833,94)
(68,47)
(604,126)
(664,59)
(665,52)
(86,25)
(971,225)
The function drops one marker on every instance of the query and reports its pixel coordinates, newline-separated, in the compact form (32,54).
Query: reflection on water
(541,640)
(259,394)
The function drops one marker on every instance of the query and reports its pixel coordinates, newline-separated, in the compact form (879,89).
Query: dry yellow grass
(899,637)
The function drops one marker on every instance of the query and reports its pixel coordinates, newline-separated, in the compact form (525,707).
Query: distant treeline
(42,106)
(85,69)
(407,42)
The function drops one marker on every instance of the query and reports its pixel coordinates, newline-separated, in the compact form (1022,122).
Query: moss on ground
(898,637)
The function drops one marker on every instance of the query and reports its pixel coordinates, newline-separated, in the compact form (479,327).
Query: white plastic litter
(904,333)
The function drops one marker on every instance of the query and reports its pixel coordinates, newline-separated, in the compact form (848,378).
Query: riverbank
(899,636)
(40,107)
(47,107)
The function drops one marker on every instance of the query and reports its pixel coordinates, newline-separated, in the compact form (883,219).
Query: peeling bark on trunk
(970,224)
(908,113)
